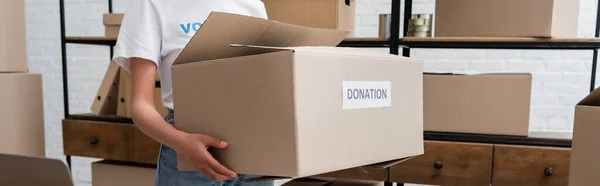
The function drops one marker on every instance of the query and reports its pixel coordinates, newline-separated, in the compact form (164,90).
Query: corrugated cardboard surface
(105,102)
(332,14)
(112,19)
(22,114)
(112,24)
(111,31)
(112,174)
(124,96)
(281,109)
(585,149)
(12,37)
(482,104)
(506,18)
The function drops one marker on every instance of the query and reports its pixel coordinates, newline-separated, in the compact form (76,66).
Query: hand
(195,149)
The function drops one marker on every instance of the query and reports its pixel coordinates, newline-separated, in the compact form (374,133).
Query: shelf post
(407,15)
(595,53)
(110,6)
(63,46)
(395,27)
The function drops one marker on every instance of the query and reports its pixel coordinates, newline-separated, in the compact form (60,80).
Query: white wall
(561,78)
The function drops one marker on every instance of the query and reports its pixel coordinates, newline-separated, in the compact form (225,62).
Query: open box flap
(213,39)
(345,51)
(593,99)
(388,164)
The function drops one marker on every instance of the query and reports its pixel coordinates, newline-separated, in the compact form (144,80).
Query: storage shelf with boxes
(22,106)
(338,12)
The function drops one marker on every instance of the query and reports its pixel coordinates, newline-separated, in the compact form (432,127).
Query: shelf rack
(404,44)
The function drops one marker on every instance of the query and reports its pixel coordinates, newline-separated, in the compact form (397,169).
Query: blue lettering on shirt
(188,27)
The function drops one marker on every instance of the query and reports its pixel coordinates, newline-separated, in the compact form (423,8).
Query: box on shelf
(105,102)
(506,18)
(124,98)
(482,103)
(13,57)
(22,113)
(106,173)
(331,14)
(112,24)
(291,110)
(113,96)
(585,148)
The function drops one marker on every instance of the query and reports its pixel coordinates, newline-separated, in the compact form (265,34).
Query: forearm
(149,121)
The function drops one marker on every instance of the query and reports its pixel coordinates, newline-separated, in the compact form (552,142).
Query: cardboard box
(585,151)
(125,96)
(481,104)
(107,173)
(13,57)
(331,182)
(22,113)
(295,111)
(105,102)
(112,24)
(331,14)
(506,18)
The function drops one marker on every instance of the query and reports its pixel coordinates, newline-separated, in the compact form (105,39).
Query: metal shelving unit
(404,44)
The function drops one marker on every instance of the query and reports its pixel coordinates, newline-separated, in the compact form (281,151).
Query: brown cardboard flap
(593,99)
(112,19)
(105,101)
(213,39)
(388,164)
(263,178)
(253,50)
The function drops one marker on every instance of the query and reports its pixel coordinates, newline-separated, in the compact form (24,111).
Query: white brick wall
(561,78)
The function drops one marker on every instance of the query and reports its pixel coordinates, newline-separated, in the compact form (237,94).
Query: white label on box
(366,94)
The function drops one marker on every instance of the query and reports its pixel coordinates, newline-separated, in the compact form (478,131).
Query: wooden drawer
(146,149)
(106,140)
(360,173)
(448,164)
(531,166)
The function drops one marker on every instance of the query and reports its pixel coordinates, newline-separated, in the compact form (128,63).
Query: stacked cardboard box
(480,104)
(114,94)
(21,111)
(106,173)
(506,18)
(331,14)
(112,24)
(586,149)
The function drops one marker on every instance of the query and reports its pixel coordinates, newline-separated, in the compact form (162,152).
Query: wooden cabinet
(443,163)
(106,140)
(530,166)
(361,173)
(448,164)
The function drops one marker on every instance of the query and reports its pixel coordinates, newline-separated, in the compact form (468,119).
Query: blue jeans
(167,173)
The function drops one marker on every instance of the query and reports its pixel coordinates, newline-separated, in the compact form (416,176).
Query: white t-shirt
(158,30)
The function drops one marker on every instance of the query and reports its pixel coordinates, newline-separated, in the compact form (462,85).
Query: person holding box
(152,35)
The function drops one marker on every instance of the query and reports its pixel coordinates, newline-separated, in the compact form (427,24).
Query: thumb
(214,142)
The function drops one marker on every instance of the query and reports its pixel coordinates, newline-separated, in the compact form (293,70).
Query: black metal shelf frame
(394,45)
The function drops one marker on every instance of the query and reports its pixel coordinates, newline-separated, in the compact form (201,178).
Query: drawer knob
(94,140)
(549,171)
(438,165)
